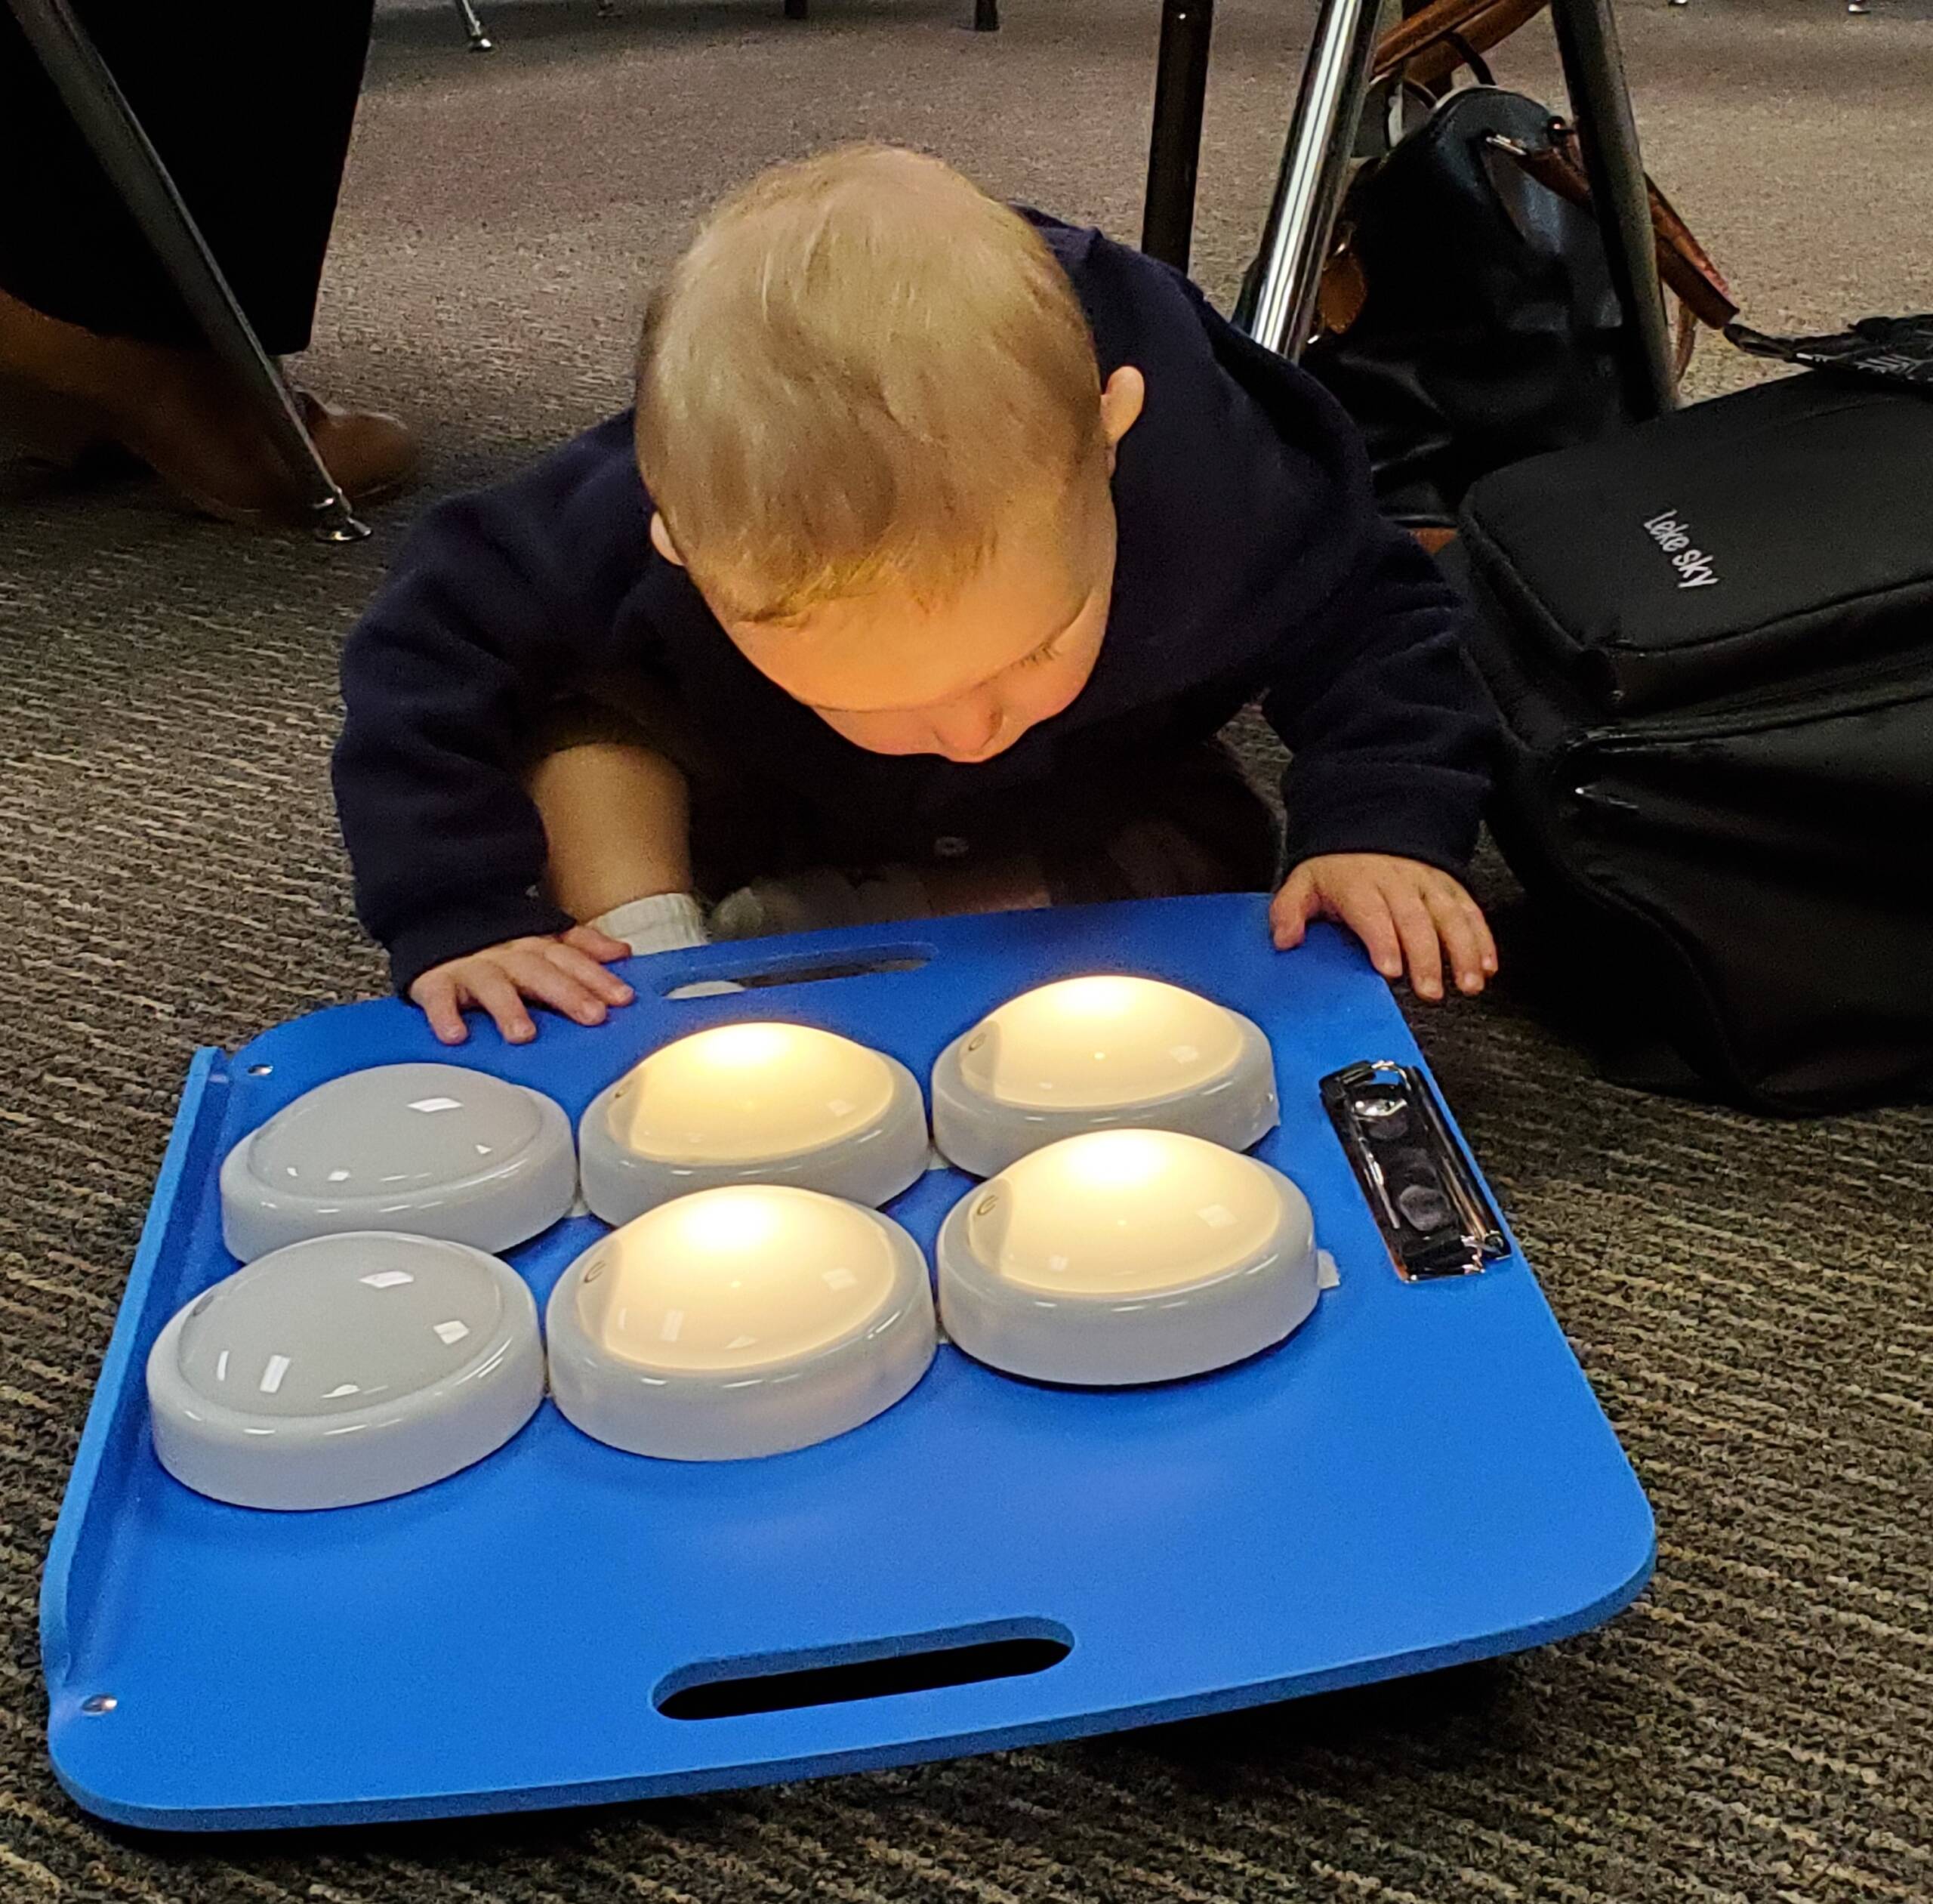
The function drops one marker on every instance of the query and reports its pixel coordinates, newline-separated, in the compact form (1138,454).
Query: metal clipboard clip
(1425,1199)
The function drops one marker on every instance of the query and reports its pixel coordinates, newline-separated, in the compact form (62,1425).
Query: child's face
(967,678)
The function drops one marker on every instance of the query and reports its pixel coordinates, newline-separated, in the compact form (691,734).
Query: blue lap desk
(1420,1476)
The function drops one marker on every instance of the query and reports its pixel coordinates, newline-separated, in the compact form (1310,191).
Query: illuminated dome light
(345,1369)
(754,1102)
(433,1149)
(1100,1053)
(1123,1257)
(738,1322)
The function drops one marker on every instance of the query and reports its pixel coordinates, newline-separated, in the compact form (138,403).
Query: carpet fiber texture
(1751,1299)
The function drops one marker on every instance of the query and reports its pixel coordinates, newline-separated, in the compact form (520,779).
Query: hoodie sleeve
(498,600)
(1283,572)
(1371,686)
(1390,731)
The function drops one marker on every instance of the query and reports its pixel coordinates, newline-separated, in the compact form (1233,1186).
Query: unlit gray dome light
(345,1369)
(435,1150)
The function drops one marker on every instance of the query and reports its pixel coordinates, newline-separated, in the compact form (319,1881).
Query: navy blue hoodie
(1252,563)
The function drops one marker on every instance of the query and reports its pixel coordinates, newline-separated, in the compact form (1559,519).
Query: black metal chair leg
(986,16)
(1594,77)
(472,26)
(101,111)
(795,9)
(1174,141)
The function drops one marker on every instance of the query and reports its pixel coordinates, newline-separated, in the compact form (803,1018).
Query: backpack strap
(1683,263)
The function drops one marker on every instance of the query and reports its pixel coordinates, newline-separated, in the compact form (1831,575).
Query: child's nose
(966,728)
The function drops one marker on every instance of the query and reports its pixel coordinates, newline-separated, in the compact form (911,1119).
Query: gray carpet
(1751,1299)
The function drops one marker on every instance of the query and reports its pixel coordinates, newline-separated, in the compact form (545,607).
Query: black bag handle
(1471,58)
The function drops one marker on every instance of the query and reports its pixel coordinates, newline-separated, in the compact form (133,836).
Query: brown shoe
(67,392)
(210,448)
(39,425)
(371,453)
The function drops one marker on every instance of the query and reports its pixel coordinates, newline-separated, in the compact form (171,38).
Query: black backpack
(1711,641)
(1488,330)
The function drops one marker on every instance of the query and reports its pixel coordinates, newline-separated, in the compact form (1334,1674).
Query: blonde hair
(862,367)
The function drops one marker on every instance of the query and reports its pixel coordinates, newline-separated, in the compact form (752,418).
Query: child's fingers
(584,968)
(1365,911)
(1422,951)
(492,989)
(1462,930)
(600,945)
(1449,891)
(1486,938)
(434,994)
(1289,912)
(537,976)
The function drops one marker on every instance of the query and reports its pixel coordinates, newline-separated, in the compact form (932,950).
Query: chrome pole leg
(1278,304)
(100,110)
(472,26)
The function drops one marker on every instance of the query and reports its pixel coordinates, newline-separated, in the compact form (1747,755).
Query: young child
(961,534)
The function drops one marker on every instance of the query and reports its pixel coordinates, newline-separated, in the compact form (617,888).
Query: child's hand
(566,973)
(1402,910)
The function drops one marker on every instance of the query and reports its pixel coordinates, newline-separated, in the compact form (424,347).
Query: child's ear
(660,540)
(1122,399)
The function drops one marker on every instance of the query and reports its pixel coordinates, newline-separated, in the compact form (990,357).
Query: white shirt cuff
(667,922)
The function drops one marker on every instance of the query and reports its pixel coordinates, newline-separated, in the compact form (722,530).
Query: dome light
(434,1149)
(1122,1257)
(754,1102)
(1092,1054)
(737,1322)
(345,1369)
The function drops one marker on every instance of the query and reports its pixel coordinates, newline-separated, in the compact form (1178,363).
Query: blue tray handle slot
(837,1676)
(755,965)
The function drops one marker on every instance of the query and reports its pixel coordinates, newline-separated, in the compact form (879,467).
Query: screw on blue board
(1420,1476)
